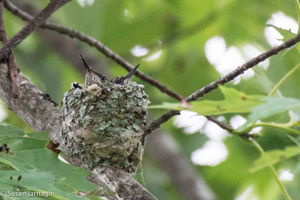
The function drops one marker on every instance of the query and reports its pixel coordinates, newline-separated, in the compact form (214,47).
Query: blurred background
(184,45)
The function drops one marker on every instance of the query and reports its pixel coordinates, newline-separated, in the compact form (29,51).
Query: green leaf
(287,34)
(273,157)
(9,131)
(39,135)
(273,106)
(35,181)
(234,102)
(40,168)
(295,140)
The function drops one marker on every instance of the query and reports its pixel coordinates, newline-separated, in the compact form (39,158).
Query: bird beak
(87,67)
(130,74)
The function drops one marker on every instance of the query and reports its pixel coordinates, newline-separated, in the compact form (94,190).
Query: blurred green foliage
(24,161)
(166,26)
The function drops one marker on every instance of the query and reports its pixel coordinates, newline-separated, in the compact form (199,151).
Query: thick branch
(127,186)
(29,28)
(227,78)
(98,45)
(32,106)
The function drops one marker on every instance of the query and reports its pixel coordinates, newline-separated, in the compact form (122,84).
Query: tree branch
(227,78)
(98,45)
(220,124)
(33,106)
(29,28)
(161,120)
(14,73)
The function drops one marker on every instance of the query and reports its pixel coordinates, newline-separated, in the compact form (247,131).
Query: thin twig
(13,70)
(241,69)
(98,45)
(29,28)
(220,124)
(156,123)
(227,78)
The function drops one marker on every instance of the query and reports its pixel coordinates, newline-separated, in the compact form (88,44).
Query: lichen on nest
(103,126)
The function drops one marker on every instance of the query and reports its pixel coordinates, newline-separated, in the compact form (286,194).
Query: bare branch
(11,60)
(227,78)
(163,119)
(98,45)
(220,124)
(127,186)
(29,28)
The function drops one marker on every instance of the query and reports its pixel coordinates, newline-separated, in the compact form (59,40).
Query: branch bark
(33,107)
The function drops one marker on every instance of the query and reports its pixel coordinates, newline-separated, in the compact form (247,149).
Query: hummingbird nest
(103,124)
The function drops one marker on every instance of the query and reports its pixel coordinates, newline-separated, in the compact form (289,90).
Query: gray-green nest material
(103,126)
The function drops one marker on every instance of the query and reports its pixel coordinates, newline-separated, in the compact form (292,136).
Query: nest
(103,126)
